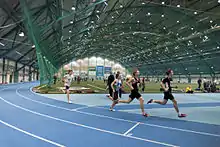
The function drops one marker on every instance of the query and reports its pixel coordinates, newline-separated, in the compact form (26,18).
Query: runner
(165,84)
(116,86)
(67,82)
(133,83)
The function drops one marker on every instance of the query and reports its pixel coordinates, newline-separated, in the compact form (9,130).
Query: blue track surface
(31,120)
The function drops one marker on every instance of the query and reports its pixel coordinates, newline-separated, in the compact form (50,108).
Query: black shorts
(135,94)
(168,95)
(110,91)
(115,95)
(67,87)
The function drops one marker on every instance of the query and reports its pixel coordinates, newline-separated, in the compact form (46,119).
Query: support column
(3,71)
(37,75)
(29,74)
(16,73)
(23,74)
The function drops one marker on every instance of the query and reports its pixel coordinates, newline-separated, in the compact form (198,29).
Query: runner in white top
(67,82)
(116,86)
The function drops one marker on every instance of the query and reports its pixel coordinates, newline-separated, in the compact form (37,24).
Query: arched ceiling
(151,35)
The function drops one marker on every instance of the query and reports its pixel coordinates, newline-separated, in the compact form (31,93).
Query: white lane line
(32,135)
(125,120)
(80,108)
(85,126)
(131,128)
(96,87)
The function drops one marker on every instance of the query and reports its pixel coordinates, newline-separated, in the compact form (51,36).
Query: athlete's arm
(128,83)
(112,85)
(162,85)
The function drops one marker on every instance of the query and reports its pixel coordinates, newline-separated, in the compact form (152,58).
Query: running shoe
(70,102)
(112,109)
(150,101)
(145,115)
(182,115)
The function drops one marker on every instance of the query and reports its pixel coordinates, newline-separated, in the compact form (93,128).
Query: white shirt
(68,79)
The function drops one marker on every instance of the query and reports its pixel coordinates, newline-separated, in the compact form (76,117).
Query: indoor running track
(31,120)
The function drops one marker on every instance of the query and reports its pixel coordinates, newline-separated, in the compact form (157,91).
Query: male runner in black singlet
(133,83)
(165,84)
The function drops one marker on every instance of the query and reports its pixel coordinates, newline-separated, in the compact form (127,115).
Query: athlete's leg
(175,105)
(161,102)
(126,101)
(141,100)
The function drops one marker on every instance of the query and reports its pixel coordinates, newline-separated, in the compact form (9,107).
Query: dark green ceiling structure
(151,35)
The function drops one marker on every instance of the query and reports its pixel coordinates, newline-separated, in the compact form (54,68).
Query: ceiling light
(178,21)
(178,6)
(163,3)
(211,21)
(69,37)
(112,17)
(70,31)
(97,11)
(71,22)
(148,13)
(192,28)
(122,22)
(162,15)
(142,3)
(121,6)
(2,44)
(68,42)
(131,14)
(73,8)
(21,34)
(150,23)
(138,21)
(212,67)
(195,12)
(217,47)
(164,28)
(33,46)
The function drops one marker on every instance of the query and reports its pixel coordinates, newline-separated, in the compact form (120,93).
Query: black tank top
(135,84)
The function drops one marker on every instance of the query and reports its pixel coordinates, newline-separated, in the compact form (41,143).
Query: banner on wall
(108,70)
(92,71)
(99,71)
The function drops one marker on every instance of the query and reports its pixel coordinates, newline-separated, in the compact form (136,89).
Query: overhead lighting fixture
(131,14)
(162,15)
(192,28)
(195,13)
(211,21)
(178,6)
(150,23)
(163,3)
(73,8)
(33,46)
(164,28)
(178,21)
(112,17)
(71,22)
(121,6)
(70,31)
(217,47)
(138,21)
(143,3)
(2,44)
(68,42)
(148,13)
(21,34)
(97,11)
(212,67)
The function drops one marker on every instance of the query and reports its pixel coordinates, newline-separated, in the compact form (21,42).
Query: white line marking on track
(126,133)
(119,119)
(96,87)
(80,108)
(30,134)
(84,126)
